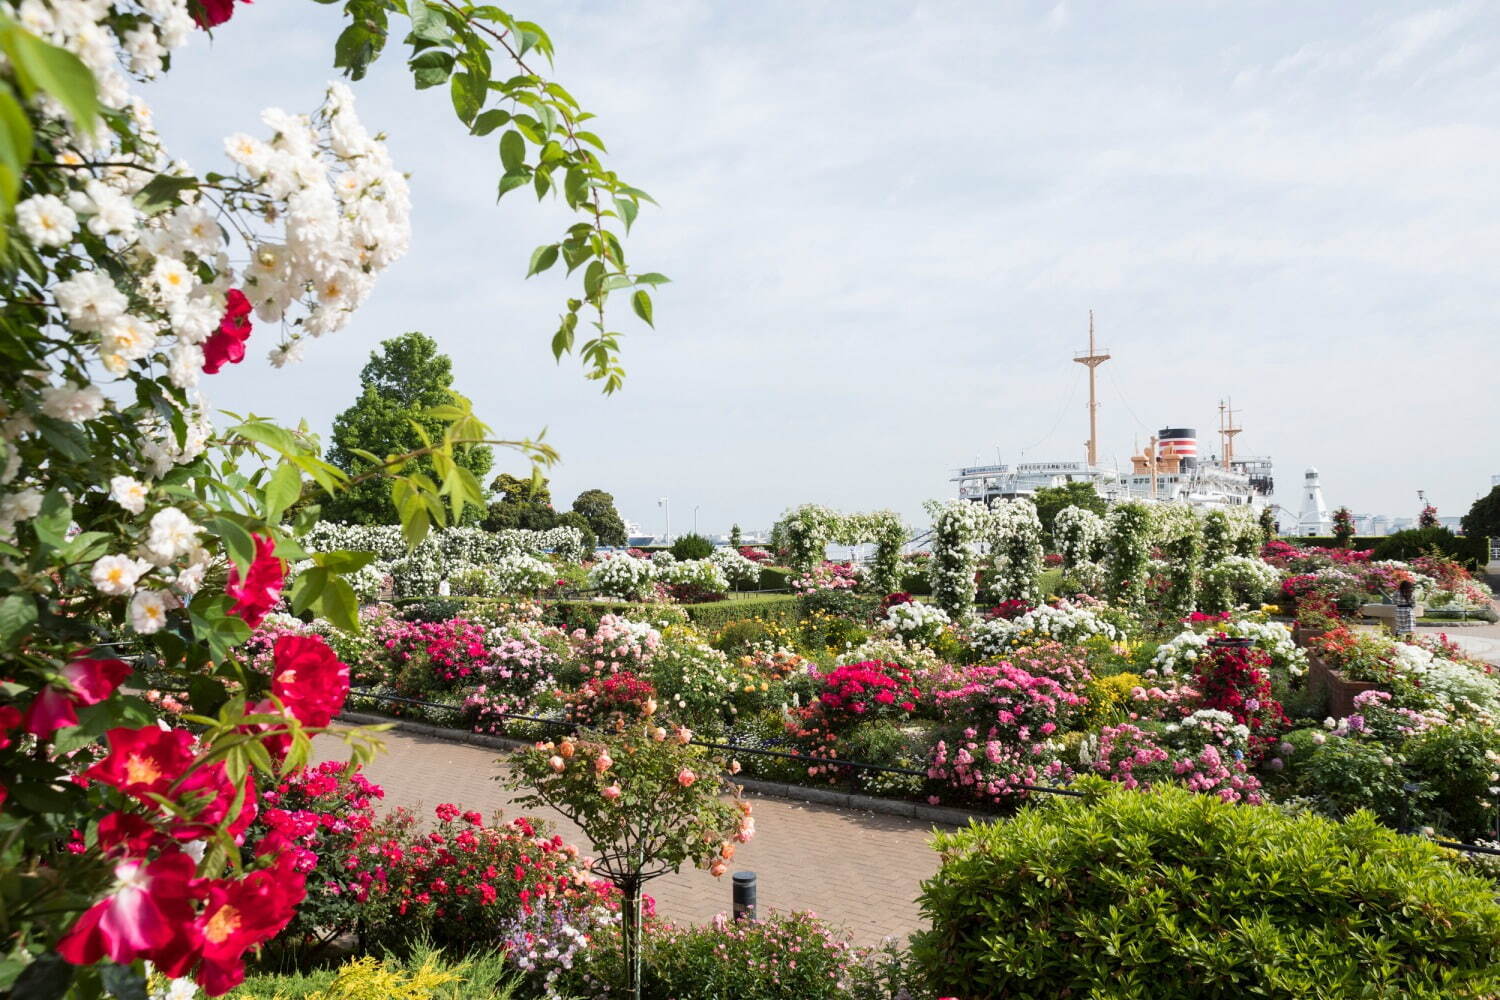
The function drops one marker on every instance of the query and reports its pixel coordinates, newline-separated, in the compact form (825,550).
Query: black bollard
(744,895)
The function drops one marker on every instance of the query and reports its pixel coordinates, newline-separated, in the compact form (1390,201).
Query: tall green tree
(598,508)
(400,383)
(520,503)
(1050,500)
(1483,519)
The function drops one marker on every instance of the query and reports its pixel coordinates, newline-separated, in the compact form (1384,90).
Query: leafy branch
(543,144)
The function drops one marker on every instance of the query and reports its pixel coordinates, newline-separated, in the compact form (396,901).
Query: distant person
(1406,608)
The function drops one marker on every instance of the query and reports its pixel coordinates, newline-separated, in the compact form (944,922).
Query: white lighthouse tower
(1314,519)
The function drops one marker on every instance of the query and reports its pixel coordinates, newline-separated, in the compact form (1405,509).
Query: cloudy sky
(886,224)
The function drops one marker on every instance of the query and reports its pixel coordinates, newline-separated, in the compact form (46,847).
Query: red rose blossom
(258,591)
(310,680)
(227,345)
(212,13)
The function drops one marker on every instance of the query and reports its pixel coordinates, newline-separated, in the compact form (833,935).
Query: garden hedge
(779,609)
(1472,550)
(1167,894)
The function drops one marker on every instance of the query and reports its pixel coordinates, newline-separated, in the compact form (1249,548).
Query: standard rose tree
(648,799)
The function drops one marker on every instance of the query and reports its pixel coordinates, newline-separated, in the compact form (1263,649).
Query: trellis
(806,531)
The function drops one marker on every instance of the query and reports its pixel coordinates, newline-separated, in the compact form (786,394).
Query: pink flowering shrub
(616,644)
(523,663)
(422,658)
(1015,705)
(1137,758)
(826,576)
(986,769)
(1068,665)
(1131,756)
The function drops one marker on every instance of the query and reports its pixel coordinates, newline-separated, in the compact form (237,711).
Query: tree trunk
(630,926)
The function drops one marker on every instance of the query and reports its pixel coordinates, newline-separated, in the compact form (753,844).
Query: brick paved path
(859,870)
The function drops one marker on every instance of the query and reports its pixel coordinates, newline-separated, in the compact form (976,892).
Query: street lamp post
(665,504)
(695,518)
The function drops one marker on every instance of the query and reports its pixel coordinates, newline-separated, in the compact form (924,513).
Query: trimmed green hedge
(774,578)
(778,609)
(1170,895)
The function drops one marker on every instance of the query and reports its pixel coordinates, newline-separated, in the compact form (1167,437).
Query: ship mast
(1227,431)
(1093,359)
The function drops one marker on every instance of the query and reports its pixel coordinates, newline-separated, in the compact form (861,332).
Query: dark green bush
(1453,765)
(1472,552)
(736,638)
(692,547)
(1167,894)
(774,578)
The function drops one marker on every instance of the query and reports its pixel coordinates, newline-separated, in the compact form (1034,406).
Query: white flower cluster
(1458,688)
(347,212)
(1243,579)
(1065,623)
(1209,725)
(1079,534)
(914,620)
(663,557)
(170,554)
(622,576)
(521,574)
(1273,638)
(1016,544)
(703,574)
(81,27)
(473,546)
(741,572)
(957,528)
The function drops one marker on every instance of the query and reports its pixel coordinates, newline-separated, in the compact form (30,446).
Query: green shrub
(1454,764)
(779,609)
(692,547)
(1169,894)
(586,614)
(1472,552)
(774,578)
(737,638)
(424,975)
(780,957)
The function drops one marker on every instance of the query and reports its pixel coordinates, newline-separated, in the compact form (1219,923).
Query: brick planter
(1341,690)
(1302,635)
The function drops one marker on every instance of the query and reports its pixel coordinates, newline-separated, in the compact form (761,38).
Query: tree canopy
(400,383)
(1483,519)
(598,509)
(1050,500)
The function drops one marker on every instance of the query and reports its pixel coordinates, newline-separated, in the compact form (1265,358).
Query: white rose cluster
(622,576)
(743,573)
(1065,623)
(1245,579)
(915,620)
(1179,654)
(703,574)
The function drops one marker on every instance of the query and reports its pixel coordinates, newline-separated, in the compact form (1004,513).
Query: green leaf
(48,976)
(207,694)
(42,67)
(542,258)
(576,186)
(627,210)
(468,92)
(489,121)
(343,561)
(17,613)
(339,605)
(308,588)
(512,180)
(431,68)
(427,22)
(512,151)
(641,303)
(51,523)
(651,278)
(282,490)
(237,540)
(162,192)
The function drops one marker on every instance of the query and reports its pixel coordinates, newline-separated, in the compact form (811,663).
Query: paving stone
(857,869)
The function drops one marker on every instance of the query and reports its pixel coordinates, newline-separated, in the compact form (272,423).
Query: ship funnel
(1180,443)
